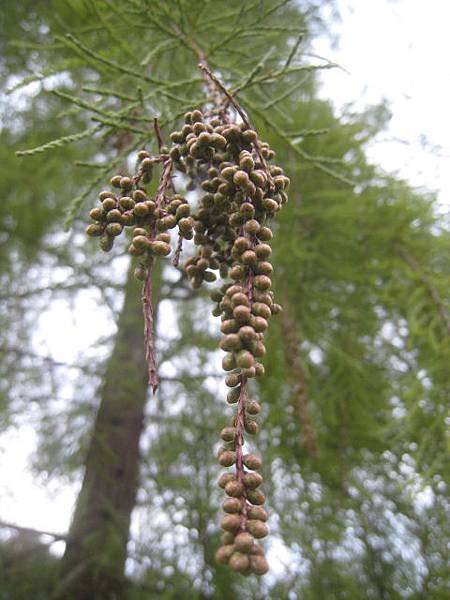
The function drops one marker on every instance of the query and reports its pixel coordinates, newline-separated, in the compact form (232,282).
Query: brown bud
(147,164)
(228,434)
(259,370)
(109,204)
(247,333)
(97,214)
(232,380)
(228,361)
(241,179)
(141,242)
(276,309)
(234,489)
(248,373)
(251,461)
(249,136)
(251,427)
(114,229)
(248,258)
(252,227)
(139,231)
(247,163)
(224,554)
(227,537)
(106,243)
(258,349)
(245,359)
(163,237)
(265,234)
(241,244)
(247,210)
(196,116)
(256,497)
(105,194)
(242,314)
(115,181)
(229,326)
(257,528)
(126,183)
(135,251)
(233,395)
(264,268)
(230,522)
(141,210)
(114,215)
(258,177)
(224,479)
(139,196)
(243,542)
(236,272)
(270,205)
(232,505)
(239,562)
(230,342)
(252,407)
(252,480)
(126,203)
(259,324)
(227,458)
(240,299)
(161,248)
(94,230)
(259,565)
(257,512)
(262,282)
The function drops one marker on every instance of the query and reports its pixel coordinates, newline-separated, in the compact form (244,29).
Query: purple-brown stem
(149,334)
(240,417)
(203,66)
(178,251)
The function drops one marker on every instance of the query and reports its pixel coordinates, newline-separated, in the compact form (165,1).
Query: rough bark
(94,560)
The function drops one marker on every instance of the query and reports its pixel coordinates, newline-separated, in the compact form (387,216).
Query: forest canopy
(352,392)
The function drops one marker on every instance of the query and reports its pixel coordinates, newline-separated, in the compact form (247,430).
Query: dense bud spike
(239,193)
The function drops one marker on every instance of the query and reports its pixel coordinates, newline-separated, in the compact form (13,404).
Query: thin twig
(149,334)
(243,116)
(178,251)
(158,134)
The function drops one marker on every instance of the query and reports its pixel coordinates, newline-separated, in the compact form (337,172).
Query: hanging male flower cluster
(239,194)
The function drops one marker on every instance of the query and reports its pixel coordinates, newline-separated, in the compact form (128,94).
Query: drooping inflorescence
(238,195)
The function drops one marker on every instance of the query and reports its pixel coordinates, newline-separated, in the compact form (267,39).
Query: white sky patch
(397,50)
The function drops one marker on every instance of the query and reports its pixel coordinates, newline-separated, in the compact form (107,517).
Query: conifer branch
(434,294)
(60,142)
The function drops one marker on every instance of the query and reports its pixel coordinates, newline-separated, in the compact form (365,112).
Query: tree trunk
(94,560)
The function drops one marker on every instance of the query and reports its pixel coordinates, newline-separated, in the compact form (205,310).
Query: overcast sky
(398,50)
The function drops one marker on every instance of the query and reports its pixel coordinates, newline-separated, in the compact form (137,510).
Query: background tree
(355,396)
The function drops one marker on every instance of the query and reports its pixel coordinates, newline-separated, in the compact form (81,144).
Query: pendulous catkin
(239,194)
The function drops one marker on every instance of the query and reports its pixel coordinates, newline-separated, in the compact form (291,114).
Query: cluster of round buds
(239,194)
(151,217)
